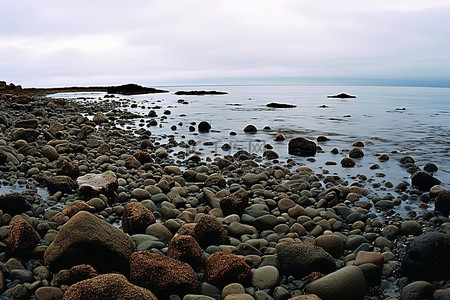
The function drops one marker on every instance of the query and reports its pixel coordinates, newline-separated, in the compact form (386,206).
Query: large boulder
(424,181)
(186,249)
(61,183)
(428,257)
(92,185)
(162,275)
(347,283)
(85,239)
(301,258)
(222,268)
(302,147)
(108,286)
(14,203)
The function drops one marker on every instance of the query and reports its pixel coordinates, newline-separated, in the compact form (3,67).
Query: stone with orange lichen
(162,275)
(208,231)
(136,218)
(86,239)
(68,168)
(186,249)
(234,203)
(222,268)
(143,157)
(22,238)
(77,207)
(132,162)
(74,275)
(108,286)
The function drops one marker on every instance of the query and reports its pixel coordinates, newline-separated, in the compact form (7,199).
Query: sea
(393,120)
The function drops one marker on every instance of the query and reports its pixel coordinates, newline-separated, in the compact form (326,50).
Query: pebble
(265,277)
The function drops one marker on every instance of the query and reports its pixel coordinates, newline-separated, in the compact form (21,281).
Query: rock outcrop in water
(341,96)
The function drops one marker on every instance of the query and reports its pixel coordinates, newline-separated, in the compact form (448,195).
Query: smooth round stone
(265,277)
(281,293)
(233,288)
(209,290)
(237,229)
(354,241)
(364,257)
(160,231)
(158,198)
(346,283)
(197,297)
(266,222)
(240,297)
(48,293)
(417,290)
(98,203)
(13,264)
(21,275)
(42,272)
(332,243)
(410,228)
(140,194)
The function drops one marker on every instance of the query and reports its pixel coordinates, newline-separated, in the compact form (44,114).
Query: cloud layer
(51,43)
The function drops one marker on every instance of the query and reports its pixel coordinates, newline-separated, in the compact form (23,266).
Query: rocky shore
(112,213)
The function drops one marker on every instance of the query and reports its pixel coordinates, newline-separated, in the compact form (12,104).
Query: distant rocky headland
(341,96)
(126,89)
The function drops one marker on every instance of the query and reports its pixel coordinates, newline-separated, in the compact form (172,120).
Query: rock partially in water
(222,268)
(280,105)
(424,181)
(341,96)
(14,203)
(302,147)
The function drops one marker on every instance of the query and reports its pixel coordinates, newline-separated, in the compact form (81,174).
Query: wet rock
(162,275)
(131,162)
(250,129)
(301,258)
(270,154)
(348,162)
(68,168)
(26,123)
(346,283)
(85,239)
(302,147)
(100,118)
(424,181)
(27,134)
(331,243)
(410,227)
(280,105)
(136,218)
(49,293)
(234,203)
(208,231)
(143,157)
(186,249)
(222,268)
(442,203)
(364,257)
(215,179)
(14,203)
(266,277)
(108,286)
(204,127)
(22,237)
(279,137)
(356,153)
(91,185)
(427,257)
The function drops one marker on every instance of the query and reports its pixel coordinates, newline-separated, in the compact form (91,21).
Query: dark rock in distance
(341,96)
(250,129)
(200,93)
(302,147)
(280,105)
(132,89)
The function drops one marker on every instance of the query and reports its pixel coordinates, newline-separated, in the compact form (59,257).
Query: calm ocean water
(398,121)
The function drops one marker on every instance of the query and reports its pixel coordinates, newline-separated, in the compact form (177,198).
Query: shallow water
(398,121)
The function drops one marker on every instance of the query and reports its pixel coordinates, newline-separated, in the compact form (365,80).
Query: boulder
(208,231)
(162,275)
(424,181)
(107,286)
(280,105)
(215,179)
(302,147)
(341,96)
(143,157)
(301,258)
(347,283)
(136,218)
(92,184)
(14,203)
(186,249)
(22,237)
(67,168)
(250,129)
(428,257)
(204,127)
(85,239)
(234,203)
(442,203)
(417,290)
(222,268)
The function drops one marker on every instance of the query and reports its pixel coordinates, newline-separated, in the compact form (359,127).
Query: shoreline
(281,206)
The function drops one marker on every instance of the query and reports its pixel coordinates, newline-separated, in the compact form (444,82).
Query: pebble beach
(91,208)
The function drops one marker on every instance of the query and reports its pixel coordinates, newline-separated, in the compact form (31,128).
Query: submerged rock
(302,147)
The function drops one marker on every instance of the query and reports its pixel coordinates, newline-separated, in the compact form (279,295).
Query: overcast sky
(152,42)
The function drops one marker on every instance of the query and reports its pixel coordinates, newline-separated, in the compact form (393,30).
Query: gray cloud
(162,42)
